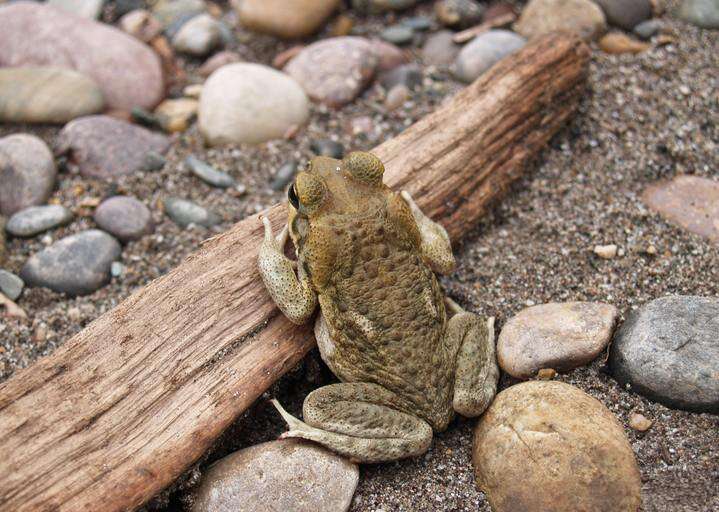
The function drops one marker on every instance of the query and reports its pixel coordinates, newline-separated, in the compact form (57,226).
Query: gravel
(645,117)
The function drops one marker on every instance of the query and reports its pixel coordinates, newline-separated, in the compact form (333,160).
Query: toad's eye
(292,196)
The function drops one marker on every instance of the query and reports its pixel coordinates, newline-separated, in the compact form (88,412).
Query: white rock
(606,251)
(250,103)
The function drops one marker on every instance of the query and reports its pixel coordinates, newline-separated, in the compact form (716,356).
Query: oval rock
(36,219)
(184,213)
(124,217)
(549,446)
(76,265)
(47,95)
(279,475)
(104,147)
(27,172)
(562,336)
(127,71)
(484,51)
(250,103)
(285,18)
(668,350)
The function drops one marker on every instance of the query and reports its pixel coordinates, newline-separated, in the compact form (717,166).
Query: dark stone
(76,265)
(409,75)
(668,351)
(327,147)
(284,175)
(626,14)
(124,217)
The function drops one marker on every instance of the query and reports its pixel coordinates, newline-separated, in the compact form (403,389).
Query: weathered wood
(123,407)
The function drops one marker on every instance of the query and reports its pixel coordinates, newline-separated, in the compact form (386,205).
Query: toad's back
(386,316)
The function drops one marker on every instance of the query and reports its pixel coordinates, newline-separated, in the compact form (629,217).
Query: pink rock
(688,201)
(388,55)
(217,61)
(334,71)
(128,72)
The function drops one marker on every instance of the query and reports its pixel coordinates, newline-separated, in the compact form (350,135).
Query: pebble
(549,446)
(389,56)
(562,336)
(419,23)
(169,12)
(334,71)
(458,13)
(327,147)
(116,269)
(61,40)
(153,161)
(618,42)
(99,146)
(397,34)
(639,422)
(380,6)
(691,202)
(668,351)
(124,217)
(288,19)
(184,213)
(396,97)
(284,175)
(209,174)
(10,285)
(76,265)
(646,29)
(278,475)
(546,374)
(217,61)
(175,115)
(250,103)
(47,95)
(34,220)
(626,15)
(606,252)
(85,8)
(540,17)
(702,13)
(198,36)
(483,52)
(141,24)
(409,75)
(439,49)
(27,172)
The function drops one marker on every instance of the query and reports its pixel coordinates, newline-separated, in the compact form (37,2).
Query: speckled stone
(27,172)
(124,217)
(282,475)
(10,285)
(184,213)
(76,265)
(691,202)
(127,71)
(335,70)
(484,51)
(439,49)
(250,103)
(105,147)
(288,19)
(36,219)
(541,17)
(47,95)
(668,350)
(545,446)
(561,336)
(702,13)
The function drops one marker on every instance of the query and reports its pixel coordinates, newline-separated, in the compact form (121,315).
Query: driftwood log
(123,407)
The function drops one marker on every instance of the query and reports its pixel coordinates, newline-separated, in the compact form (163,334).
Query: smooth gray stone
(76,265)
(36,219)
(284,175)
(646,29)
(484,51)
(327,147)
(668,350)
(184,213)
(124,217)
(702,13)
(397,34)
(10,285)
(626,14)
(209,174)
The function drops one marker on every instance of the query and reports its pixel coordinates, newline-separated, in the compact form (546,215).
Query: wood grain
(122,408)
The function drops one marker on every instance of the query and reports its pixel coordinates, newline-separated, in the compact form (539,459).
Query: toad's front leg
(291,292)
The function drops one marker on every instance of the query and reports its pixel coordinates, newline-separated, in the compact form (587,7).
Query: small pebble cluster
(184,96)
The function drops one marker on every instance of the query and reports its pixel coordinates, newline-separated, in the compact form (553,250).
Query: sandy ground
(645,118)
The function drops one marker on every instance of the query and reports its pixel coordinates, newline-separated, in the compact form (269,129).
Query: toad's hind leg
(476,374)
(361,421)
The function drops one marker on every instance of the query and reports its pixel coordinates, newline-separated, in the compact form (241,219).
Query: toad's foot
(360,421)
(292,294)
(436,247)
